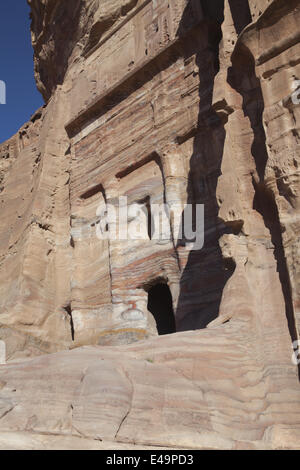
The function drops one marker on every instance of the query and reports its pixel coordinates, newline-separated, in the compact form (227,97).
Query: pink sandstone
(173,101)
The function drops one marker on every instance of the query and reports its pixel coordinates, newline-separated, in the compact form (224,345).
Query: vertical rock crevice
(206,265)
(243,72)
(264,202)
(68,310)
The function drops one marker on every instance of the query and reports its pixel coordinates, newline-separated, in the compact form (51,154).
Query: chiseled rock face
(169,102)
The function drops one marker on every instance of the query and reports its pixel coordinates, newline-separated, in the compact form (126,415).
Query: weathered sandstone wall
(170,101)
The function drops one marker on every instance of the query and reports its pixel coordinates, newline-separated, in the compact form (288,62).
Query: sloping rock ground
(190,390)
(231,385)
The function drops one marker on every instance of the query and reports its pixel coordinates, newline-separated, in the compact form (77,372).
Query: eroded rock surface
(204,389)
(163,102)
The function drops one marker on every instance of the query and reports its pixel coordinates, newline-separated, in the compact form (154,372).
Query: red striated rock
(161,102)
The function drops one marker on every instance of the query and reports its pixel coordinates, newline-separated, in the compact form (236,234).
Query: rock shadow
(205,272)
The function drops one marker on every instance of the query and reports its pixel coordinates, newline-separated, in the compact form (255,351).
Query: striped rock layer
(161,102)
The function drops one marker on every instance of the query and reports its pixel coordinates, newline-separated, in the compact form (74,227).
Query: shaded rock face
(61,31)
(55,32)
(162,103)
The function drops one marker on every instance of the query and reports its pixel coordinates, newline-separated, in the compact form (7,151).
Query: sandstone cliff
(181,101)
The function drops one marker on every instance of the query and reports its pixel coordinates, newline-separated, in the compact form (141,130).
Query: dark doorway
(161,307)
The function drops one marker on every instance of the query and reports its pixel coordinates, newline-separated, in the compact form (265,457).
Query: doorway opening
(161,306)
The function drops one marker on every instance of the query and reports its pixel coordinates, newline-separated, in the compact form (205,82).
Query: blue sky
(16,68)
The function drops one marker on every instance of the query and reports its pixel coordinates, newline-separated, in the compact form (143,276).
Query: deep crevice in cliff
(205,274)
(264,199)
(265,204)
(241,14)
(68,309)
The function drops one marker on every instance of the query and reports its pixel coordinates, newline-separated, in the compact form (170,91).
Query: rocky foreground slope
(181,101)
